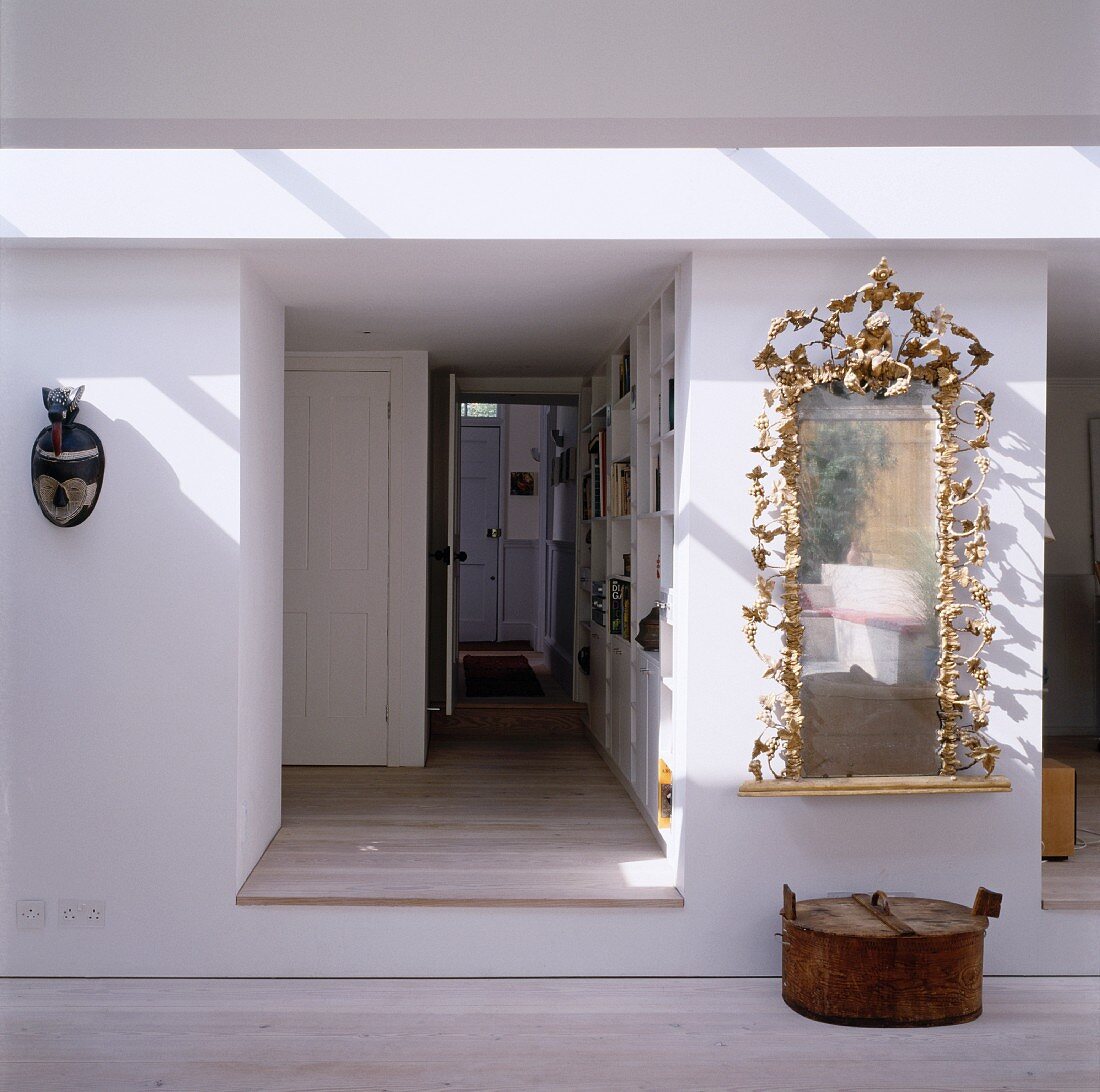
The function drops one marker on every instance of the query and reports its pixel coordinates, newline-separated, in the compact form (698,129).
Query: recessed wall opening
(517,551)
(1071,737)
(547,776)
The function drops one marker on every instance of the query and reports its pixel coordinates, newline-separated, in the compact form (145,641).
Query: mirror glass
(869,579)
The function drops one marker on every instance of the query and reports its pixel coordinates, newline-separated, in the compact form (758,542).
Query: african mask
(66,461)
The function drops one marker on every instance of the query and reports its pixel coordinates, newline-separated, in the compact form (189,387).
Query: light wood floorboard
(227,1035)
(514,808)
(1074,884)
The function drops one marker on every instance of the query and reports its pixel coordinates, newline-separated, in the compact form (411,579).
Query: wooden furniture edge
(873,786)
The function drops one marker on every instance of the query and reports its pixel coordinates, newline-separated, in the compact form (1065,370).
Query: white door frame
(407,673)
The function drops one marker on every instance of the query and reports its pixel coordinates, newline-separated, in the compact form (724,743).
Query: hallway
(514,808)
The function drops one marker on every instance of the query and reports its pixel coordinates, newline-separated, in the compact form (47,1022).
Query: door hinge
(389,411)
(387,712)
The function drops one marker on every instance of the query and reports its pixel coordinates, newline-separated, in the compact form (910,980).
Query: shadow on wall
(1014,575)
(138,711)
(864,843)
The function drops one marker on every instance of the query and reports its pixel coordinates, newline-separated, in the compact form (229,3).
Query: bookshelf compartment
(628,485)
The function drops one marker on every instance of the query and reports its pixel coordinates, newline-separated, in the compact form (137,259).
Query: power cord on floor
(1082,844)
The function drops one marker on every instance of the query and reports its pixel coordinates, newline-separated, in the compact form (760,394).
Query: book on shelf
(619,489)
(624,375)
(657,484)
(671,404)
(597,450)
(619,612)
(586,496)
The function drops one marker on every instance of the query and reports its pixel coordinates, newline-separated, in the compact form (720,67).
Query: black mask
(66,461)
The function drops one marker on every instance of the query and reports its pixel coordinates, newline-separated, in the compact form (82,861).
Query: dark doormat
(495,646)
(500,677)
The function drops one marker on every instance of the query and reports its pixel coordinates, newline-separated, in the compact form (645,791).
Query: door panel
(479,510)
(336,577)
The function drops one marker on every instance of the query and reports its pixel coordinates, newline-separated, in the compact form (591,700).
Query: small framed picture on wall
(523,483)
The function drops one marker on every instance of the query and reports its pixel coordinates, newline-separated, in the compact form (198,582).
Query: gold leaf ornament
(866,363)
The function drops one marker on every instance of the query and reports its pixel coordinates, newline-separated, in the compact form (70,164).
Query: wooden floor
(1074,884)
(227,1035)
(514,808)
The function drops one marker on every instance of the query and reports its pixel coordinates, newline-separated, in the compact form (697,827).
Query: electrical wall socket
(30,914)
(81,913)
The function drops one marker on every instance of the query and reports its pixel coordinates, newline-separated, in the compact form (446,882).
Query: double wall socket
(81,913)
(30,914)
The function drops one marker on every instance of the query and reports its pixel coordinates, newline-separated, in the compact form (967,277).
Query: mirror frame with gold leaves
(875,360)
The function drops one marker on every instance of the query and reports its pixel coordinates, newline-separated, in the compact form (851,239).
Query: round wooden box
(874,962)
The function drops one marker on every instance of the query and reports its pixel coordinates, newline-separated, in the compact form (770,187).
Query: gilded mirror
(869,528)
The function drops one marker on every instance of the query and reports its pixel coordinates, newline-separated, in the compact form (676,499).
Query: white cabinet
(653,732)
(620,706)
(627,473)
(597,689)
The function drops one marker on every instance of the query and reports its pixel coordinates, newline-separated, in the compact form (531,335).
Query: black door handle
(444,555)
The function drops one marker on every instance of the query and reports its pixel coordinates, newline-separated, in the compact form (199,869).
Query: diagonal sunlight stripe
(797,192)
(313,193)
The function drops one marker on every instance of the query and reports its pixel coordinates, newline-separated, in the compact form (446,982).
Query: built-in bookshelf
(626,555)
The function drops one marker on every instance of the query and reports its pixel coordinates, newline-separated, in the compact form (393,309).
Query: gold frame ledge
(872,786)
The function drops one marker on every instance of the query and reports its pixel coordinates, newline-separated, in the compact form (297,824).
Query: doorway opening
(503,811)
(516,557)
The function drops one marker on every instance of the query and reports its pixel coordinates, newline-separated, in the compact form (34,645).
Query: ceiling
(554,307)
(521,73)
(485,308)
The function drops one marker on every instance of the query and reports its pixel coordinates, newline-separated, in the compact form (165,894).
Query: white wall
(521,434)
(563,508)
(259,704)
(122,635)
(520,585)
(331,73)
(934,845)
(1070,632)
(560,552)
(119,765)
(477,194)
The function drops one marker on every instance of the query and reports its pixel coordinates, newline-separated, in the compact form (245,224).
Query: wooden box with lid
(871,961)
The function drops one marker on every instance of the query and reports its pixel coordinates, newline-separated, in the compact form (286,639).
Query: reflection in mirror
(868,577)
(871,615)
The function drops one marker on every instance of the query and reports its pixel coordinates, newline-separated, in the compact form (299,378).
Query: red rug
(500,677)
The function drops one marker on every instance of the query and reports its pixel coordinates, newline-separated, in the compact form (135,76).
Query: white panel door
(479,512)
(336,569)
